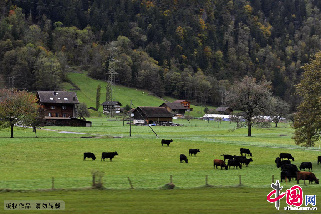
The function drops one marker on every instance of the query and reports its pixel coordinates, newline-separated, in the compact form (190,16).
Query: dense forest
(188,49)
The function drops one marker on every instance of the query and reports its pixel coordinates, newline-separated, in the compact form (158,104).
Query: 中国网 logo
(294,198)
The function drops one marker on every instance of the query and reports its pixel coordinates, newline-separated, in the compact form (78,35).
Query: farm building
(111,106)
(60,108)
(152,115)
(224,110)
(185,103)
(176,108)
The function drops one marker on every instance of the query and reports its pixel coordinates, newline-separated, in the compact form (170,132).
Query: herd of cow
(288,170)
(104,155)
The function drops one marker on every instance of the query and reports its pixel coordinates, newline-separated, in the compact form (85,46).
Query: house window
(64,107)
(52,107)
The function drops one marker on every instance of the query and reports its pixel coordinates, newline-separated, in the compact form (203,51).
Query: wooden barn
(185,103)
(152,115)
(176,108)
(60,108)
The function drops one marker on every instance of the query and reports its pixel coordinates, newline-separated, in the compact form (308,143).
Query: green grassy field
(205,200)
(30,163)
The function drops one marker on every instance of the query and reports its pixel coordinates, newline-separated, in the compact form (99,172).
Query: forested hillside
(187,49)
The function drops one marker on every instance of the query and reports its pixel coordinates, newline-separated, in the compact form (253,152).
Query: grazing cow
(247,161)
(245,151)
(286,155)
(183,157)
(279,163)
(89,155)
(227,157)
(193,151)
(289,170)
(306,165)
(166,141)
(307,176)
(220,163)
(235,163)
(109,155)
(286,175)
(319,159)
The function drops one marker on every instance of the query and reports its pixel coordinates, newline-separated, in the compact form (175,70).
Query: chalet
(176,108)
(185,103)
(152,115)
(60,108)
(224,110)
(111,106)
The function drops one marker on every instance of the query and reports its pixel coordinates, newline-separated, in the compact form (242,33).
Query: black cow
(193,151)
(319,159)
(235,163)
(306,165)
(286,175)
(279,163)
(220,163)
(109,155)
(89,155)
(289,171)
(166,141)
(245,151)
(247,161)
(183,157)
(286,155)
(227,157)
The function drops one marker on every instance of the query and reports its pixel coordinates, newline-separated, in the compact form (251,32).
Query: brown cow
(307,176)
(220,163)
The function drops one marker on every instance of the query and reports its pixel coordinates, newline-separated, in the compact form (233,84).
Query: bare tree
(250,97)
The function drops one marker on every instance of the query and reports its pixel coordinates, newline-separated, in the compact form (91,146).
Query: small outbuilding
(224,110)
(111,106)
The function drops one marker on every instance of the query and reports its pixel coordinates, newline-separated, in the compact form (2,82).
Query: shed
(224,110)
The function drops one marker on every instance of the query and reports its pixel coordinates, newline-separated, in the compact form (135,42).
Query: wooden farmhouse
(176,108)
(152,115)
(185,103)
(111,106)
(60,108)
(224,110)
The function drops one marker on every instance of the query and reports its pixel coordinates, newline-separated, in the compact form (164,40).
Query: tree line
(187,49)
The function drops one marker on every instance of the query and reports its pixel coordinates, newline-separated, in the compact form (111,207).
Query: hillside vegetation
(86,89)
(183,48)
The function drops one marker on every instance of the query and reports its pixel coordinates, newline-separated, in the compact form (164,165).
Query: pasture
(30,163)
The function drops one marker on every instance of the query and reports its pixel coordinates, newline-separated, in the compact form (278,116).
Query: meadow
(30,164)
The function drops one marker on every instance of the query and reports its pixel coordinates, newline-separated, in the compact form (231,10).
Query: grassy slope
(88,88)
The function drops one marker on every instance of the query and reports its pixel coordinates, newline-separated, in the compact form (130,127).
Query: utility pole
(111,75)
(130,120)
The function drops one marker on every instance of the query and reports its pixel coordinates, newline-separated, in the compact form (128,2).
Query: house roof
(174,106)
(224,109)
(111,103)
(154,112)
(57,97)
(180,101)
